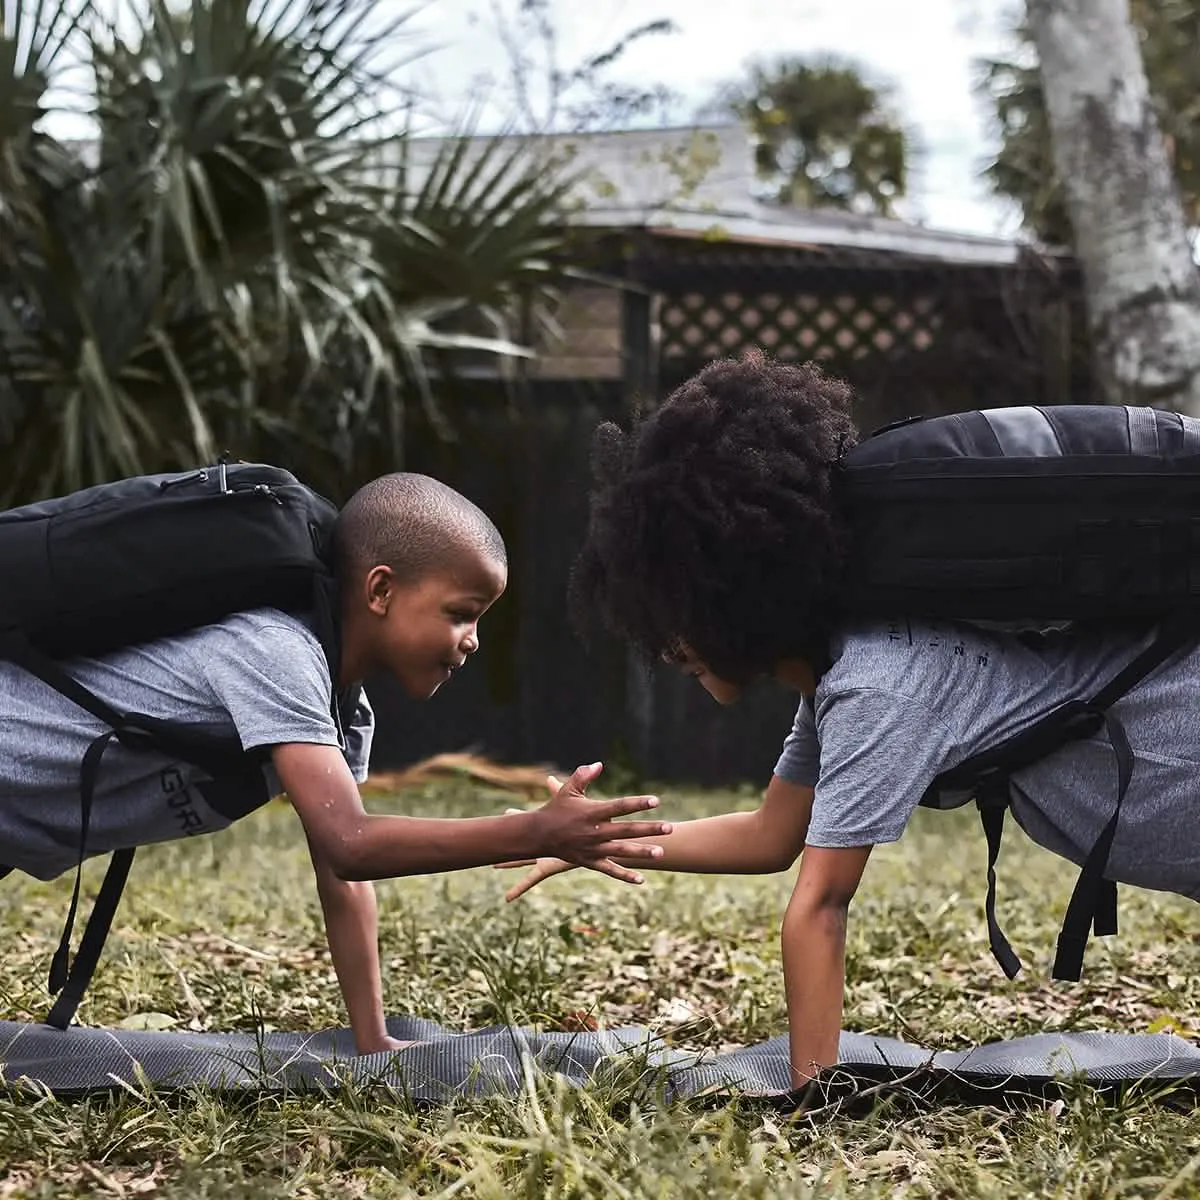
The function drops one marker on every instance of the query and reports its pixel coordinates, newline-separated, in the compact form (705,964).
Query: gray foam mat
(502,1059)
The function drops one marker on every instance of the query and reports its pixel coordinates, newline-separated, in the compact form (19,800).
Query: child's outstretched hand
(541,868)
(580,832)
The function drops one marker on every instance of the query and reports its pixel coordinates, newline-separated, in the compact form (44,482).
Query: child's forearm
(356,845)
(814,973)
(730,844)
(768,839)
(352,928)
(394,846)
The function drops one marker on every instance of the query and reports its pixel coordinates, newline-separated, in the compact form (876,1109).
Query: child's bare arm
(814,954)
(358,845)
(768,839)
(757,842)
(352,929)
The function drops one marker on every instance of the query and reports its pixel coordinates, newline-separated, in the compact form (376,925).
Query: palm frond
(230,262)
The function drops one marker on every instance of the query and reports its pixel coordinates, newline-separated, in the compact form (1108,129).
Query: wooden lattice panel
(797,325)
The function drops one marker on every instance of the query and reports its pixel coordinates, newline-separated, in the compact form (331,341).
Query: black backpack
(144,558)
(1030,518)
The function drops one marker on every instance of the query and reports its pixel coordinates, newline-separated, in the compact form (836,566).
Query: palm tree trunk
(1143,289)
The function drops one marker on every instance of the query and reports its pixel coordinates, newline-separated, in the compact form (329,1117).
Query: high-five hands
(577,831)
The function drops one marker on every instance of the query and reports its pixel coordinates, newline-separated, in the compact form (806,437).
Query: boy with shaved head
(417,565)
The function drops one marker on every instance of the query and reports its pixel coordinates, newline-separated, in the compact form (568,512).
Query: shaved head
(414,524)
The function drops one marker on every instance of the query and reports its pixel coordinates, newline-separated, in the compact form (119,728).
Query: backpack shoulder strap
(326,624)
(1093,902)
(74,982)
(213,754)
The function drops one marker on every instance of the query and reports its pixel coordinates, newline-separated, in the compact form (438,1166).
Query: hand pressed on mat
(391,1044)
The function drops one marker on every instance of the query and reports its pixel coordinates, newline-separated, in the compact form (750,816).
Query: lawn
(225,932)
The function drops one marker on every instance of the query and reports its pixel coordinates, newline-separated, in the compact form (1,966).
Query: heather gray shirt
(904,701)
(260,675)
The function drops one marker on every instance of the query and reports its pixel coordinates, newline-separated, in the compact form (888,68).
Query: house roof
(698,181)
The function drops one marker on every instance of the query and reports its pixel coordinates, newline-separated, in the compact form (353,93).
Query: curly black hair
(712,525)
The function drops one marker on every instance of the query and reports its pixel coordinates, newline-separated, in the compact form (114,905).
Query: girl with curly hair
(715,543)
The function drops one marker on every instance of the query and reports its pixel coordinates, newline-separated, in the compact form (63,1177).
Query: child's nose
(470,643)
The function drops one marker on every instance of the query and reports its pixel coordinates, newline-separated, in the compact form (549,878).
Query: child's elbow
(780,847)
(344,854)
(781,858)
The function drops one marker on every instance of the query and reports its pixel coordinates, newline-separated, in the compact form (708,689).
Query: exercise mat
(505,1059)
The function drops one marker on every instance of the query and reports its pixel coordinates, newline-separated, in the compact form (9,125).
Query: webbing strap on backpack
(71,984)
(991,814)
(136,731)
(1093,903)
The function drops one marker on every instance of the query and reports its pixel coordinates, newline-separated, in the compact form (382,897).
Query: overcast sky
(925,47)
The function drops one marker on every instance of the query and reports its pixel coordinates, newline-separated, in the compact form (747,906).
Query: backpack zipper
(192,477)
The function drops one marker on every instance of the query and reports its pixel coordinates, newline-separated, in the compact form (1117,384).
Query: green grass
(225,933)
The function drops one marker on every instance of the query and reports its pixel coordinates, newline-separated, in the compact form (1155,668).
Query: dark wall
(533,692)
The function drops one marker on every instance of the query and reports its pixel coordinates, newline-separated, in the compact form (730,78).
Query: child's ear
(379,588)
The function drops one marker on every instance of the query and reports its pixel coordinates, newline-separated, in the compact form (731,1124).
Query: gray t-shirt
(906,700)
(260,675)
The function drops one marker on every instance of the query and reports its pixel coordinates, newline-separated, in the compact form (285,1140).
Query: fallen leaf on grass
(1168,1024)
(578,1022)
(147,1021)
(123,1181)
(676,1011)
(16,1183)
